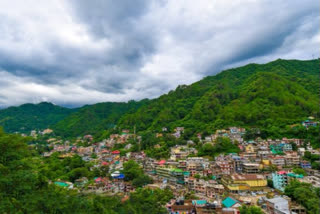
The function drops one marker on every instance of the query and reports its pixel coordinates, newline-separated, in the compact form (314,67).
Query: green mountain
(28,117)
(94,119)
(268,96)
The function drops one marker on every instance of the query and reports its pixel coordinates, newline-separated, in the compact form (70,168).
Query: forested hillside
(93,119)
(269,96)
(28,117)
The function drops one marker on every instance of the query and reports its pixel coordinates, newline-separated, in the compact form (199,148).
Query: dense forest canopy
(29,117)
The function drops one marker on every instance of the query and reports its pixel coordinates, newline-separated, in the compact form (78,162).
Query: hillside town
(256,175)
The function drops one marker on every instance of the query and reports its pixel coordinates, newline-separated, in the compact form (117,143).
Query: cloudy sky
(81,52)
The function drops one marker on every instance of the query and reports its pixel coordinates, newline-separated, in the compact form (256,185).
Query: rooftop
(247,177)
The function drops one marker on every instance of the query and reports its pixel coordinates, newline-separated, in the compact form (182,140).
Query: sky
(76,52)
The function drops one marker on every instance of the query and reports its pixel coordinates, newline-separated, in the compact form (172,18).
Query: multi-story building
(309,123)
(278,205)
(287,147)
(213,189)
(305,164)
(237,164)
(292,159)
(194,168)
(281,179)
(170,175)
(181,152)
(278,161)
(251,168)
(197,165)
(236,183)
(225,164)
(182,165)
(264,154)
(298,142)
(315,181)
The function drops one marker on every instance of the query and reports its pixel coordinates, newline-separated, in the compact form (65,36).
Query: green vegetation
(299,171)
(250,210)
(304,194)
(29,117)
(313,159)
(94,119)
(133,172)
(270,97)
(221,146)
(69,168)
(157,147)
(24,186)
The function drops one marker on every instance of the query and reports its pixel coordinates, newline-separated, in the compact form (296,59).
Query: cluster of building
(221,185)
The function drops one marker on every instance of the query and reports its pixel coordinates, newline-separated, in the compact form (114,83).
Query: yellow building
(266,162)
(236,183)
(249,148)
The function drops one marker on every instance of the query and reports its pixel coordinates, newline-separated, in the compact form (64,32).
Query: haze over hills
(269,96)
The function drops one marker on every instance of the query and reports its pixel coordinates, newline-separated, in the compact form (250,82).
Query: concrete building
(292,159)
(281,179)
(236,183)
(251,168)
(315,181)
(279,161)
(278,205)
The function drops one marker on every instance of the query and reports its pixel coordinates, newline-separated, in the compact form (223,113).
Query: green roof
(62,184)
(229,202)
(176,170)
(295,175)
(180,181)
(186,173)
(199,202)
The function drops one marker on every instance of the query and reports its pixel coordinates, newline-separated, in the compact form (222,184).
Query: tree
(197,176)
(305,194)
(250,210)
(131,170)
(78,173)
(141,181)
(299,171)
(270,183)
(145,200)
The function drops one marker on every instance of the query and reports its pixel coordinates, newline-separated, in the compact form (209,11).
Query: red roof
(162,162)
(98,179)
(116,152)
(282,172)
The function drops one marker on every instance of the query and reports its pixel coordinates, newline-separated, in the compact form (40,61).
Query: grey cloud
(91,51)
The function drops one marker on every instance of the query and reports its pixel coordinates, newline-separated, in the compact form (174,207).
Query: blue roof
(121,176)
(229,202)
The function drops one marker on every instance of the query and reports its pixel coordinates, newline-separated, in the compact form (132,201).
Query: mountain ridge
(231,97)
